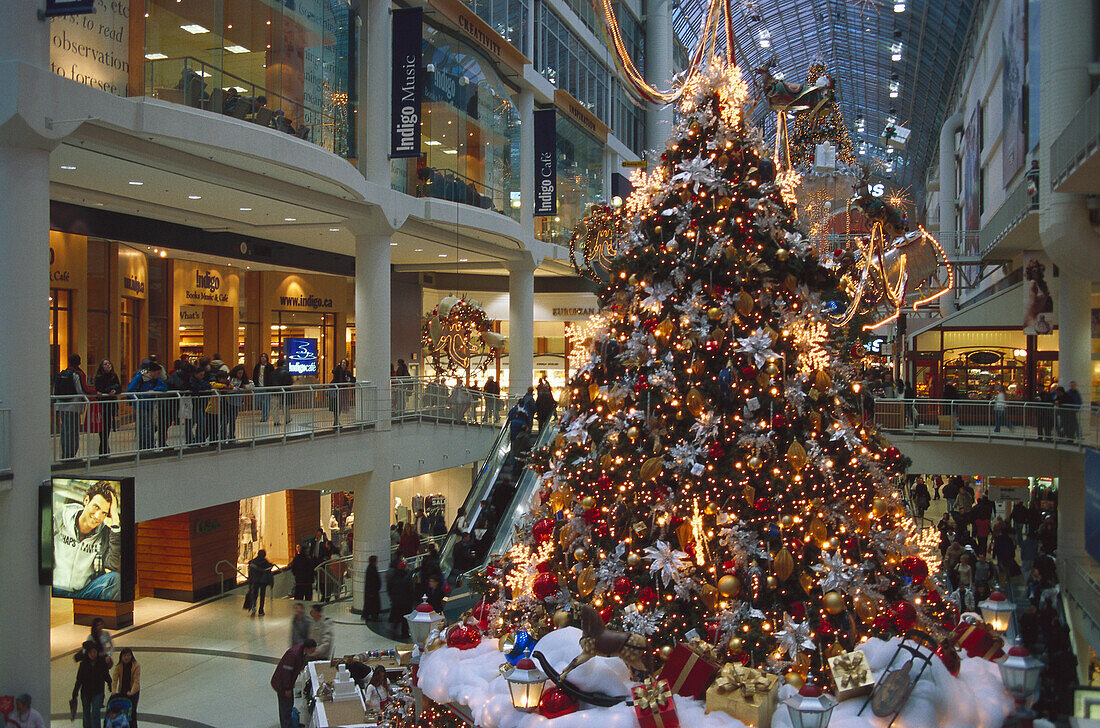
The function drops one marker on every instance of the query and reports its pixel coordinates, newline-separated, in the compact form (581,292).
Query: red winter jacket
(286,672)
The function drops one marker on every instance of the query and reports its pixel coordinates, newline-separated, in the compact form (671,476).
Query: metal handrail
(221,576)
(1080,139)
(1027,422)
(323,572)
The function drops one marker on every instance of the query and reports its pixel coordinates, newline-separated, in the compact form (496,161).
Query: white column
(24,278)
(1075,335)
(374,98)
(521,324)
(372,354)
(948,194)
(525,102)
(658,69)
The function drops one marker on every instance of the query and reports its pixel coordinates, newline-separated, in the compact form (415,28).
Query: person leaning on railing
(70,387)
(144,386)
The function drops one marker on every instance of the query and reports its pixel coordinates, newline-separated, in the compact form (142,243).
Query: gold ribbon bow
(852,669)
(652,695)
(733,677)
(704,649)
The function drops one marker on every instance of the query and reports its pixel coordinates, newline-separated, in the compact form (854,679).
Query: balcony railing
(1017,206)
(446,184)
(88,431)
(1059,426)
(1079,140)
(5,442)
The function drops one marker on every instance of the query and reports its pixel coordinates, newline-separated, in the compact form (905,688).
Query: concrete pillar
(372,349)
(1075,336)
(374,92)
(658,69)
(525,103)
(521,324)
(948,194)
(24,277)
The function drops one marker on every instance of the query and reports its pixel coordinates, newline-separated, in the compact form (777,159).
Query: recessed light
(245,209)
(442,255)
(136,183)
(194,197)
(418,250)
(432,143)
(290,219)
(194,29)
(334,230)
(155,56)
(450,151)
(237,49)
(463,260)
(68,166)
(163,253)
(393,245)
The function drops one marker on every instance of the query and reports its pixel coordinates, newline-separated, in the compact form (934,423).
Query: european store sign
(546,162)
(407,82)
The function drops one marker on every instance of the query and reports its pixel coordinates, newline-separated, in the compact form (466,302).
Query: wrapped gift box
(978,640)
(748,695)
(851,675)
(688,671)
(653,705)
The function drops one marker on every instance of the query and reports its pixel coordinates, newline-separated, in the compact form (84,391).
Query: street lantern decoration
(525,683)
(997,611)
(1020,673)
(810,707)
(422,621)
(458,337)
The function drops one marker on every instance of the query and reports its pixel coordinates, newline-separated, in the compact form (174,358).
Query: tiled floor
(208,664)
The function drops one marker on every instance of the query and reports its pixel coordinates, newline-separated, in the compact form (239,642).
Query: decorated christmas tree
(713,477)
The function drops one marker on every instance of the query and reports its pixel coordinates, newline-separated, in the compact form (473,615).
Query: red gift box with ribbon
(688,671)
(978,639)
(653,705)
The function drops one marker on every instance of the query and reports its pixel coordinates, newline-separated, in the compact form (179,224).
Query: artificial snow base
(976,699)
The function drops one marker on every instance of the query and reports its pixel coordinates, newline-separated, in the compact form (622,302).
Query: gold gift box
(851,675)
(748,695)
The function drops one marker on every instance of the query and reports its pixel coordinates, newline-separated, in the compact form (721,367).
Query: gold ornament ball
(633,432)
(672,246)
(795,680)
(714,313)
(879,506)
(633,279)
(834,602)
(580,554)
(633,559)
(786,521)
(665,652)
(710,509)
(781,254)
(729,585)
(771,369)
(657,230)
(735,645)
(562,618)
(588,503)
(773,583)
(755,463)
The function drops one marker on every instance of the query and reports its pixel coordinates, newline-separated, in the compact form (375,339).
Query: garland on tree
(713,476)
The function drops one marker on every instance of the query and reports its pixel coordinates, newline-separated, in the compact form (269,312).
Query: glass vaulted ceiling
(858,41)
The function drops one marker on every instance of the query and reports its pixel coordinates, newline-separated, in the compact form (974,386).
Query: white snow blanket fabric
(975,699)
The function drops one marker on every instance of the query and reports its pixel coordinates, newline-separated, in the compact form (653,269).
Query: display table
(329,714)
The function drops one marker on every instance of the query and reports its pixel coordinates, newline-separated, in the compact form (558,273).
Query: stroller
(123,704)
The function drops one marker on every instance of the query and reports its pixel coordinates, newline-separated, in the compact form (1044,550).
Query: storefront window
(507,17)
(299,325)
(569,65)
(470,131)
(61,328)
(283,65)
(580,181)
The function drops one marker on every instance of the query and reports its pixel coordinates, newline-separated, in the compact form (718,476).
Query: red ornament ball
(545,585)
(464,637)
(761,504)
(825,628)
(605,614)
(915,568)
(603,482)
(779,422)
(905,614)
(543,529)
(933,597)
(647,596)
(623,586)
(555,703)
(592,515)
(542,567)
(883,623)
(728,566)
(715,450)
(798,611)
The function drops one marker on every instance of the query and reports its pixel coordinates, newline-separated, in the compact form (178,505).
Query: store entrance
(320,327)
(61,328)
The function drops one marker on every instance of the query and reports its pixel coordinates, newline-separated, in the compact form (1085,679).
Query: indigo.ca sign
(546,163)
(408,82)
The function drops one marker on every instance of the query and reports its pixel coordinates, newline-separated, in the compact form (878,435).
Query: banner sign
(55,8)
(407,82)
(546,163)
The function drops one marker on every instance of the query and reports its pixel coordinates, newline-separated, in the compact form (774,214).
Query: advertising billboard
(91,554)
(301,356)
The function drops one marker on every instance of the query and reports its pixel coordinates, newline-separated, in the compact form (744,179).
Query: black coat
(302,568)
(269,374)
(400,589)
(91,678)
(372,586)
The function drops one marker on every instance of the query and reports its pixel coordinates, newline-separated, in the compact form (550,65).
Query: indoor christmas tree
(713,477)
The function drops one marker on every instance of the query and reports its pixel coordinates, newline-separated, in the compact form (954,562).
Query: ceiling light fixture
(194,197)
(418,250)
(432,143)
(334,230)
(450,151)
(442,255)
(895,51)
(68,166)
(237,49)
(765,38)
(463,260)
(290,219)
(895,87)
(194,29)
(245,209)
(136,183)
(155,56)
(393,245)
(899,7)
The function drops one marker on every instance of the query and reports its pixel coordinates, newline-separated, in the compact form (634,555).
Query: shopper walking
(320,551)
(1073,405)
(299,625)
(402,600)
(492,399)
(1000,409)
(263,375)
(545,404)
(102,639)
(71,388)
(410,541)
(261,575)
(301,566)
(321,631)
(372,586)
(127,681)
(286,674)
(107,384)
(92,676)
